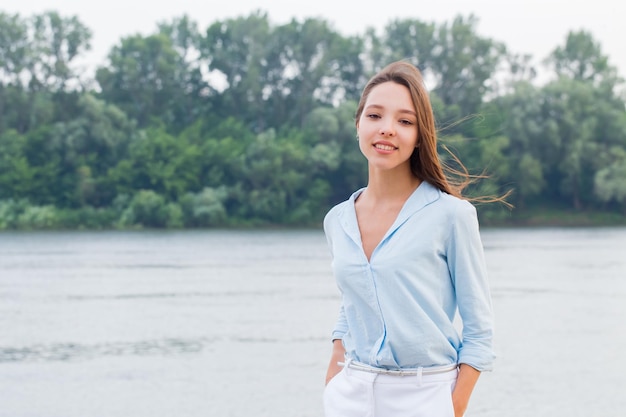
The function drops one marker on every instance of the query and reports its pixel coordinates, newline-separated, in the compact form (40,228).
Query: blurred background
(191,115)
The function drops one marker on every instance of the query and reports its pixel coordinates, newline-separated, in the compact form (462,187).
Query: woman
(406,255)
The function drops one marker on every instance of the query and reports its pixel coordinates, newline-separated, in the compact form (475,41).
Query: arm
(337,356)
(465,382)
(469,274)
(338,353)
(341,326)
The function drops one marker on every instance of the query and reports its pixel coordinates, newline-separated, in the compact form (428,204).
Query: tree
(457,62)
(159,162)
(463,64)
(307,57)
(335,157)
(238,50)
(149,80)
(516,69)
(38,73)
(195,102)
(534,143)
(403,39)
(14,48)
(345,74)
(57,42)
(221,146)
(273,185)
(88,145)
(581,59)
(16,173)
(280,74)
(588,114)
(609,182)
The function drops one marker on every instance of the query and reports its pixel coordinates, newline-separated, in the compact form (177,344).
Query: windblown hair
(425,162)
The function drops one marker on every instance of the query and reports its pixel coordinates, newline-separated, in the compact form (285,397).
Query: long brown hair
(425,162)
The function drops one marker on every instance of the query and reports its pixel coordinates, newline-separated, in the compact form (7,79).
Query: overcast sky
(535,27)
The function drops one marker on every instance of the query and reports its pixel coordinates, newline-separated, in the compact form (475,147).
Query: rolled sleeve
(341,326)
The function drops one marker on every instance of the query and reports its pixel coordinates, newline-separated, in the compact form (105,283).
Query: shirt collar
(423,195)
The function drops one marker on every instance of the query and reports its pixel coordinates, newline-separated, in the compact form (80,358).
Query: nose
(386,129)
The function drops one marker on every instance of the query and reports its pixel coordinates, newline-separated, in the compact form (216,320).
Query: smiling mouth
(385,147)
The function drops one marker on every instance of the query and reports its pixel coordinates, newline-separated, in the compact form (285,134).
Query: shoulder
(332,218)
(336,212)
(452,207)
(333,215)
(455,214)
(455,205)
(461,219)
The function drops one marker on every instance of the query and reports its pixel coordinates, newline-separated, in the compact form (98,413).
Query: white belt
(358,366)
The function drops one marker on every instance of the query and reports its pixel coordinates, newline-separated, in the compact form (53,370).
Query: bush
(149,209)
(205,208)
(10,211)
(87,218)
(175,218)
(38,218)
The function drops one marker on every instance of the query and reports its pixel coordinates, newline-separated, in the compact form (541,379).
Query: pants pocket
(333,380)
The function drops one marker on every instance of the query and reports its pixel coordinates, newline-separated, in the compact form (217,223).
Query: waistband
(430,370)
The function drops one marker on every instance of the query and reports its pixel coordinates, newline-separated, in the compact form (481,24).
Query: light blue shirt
(397,309)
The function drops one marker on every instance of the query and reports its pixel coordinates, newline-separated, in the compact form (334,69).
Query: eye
(373,116)
(406,122)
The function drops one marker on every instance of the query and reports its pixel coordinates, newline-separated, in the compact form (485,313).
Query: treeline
(247,122)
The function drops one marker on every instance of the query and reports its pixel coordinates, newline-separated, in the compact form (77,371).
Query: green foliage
(159,162)
(37,217)
(206,208)
(249,123)
(610,181)
(10,211)
(151,210)
(581,59)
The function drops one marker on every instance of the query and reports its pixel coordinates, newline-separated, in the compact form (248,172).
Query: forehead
(390,94)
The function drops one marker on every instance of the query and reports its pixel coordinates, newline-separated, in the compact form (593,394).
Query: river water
(237,323)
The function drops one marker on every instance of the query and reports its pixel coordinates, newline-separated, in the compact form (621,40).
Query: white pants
(355,393)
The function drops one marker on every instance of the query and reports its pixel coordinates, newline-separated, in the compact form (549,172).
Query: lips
(385,146)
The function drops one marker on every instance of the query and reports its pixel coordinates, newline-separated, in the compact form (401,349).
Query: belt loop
(420,372)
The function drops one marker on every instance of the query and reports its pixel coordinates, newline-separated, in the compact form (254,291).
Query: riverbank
(549,217)
(19,215)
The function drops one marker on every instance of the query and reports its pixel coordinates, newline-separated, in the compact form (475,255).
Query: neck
(398,183)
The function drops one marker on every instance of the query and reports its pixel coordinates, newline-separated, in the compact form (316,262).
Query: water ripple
(65,352)
(194,294)
(72,351)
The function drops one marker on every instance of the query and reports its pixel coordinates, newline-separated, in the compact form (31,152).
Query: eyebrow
(378,106)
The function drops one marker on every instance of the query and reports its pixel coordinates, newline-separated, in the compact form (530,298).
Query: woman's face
(387,127)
